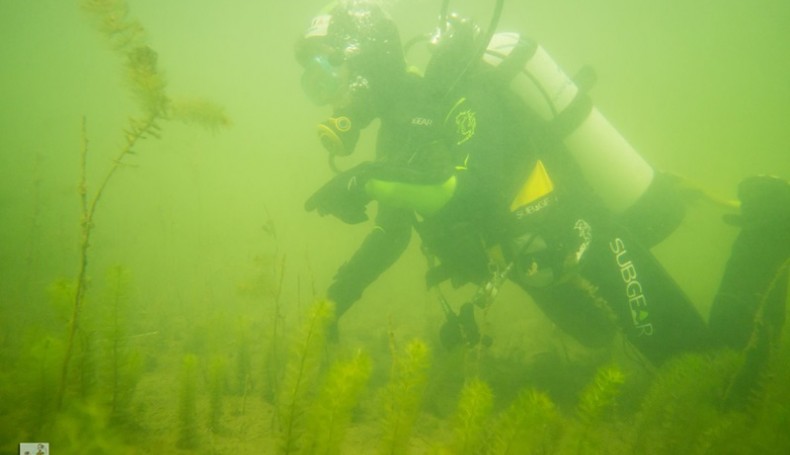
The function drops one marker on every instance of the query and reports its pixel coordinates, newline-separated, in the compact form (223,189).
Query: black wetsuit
(407,149)
(486,136)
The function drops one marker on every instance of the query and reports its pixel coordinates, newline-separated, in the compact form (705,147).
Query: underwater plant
(763,343)
(331,412)
(601,394)
(147,85)
(589,430)
(301,375)
(272,357)
(217,372)
(722,402)
(125,363)
(531,424)
(474,409)
(683,403)
(188,427)
(769,410)
(403,396)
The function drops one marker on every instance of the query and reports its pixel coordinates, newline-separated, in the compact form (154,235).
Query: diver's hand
(343,197)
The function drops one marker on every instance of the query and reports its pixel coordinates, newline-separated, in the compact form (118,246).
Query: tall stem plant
(127,38)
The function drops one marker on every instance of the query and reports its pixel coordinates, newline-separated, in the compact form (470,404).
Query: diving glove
(343,197)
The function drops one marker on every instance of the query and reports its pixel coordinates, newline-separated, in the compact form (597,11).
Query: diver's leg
(576,311)
(657,213)
(654,313)
(621,285)
(755,262)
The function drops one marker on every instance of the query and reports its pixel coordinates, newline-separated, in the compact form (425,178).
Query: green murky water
(201,268)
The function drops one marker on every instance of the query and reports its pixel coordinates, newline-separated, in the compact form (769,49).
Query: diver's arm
(425,199)
(423,190)
(380,249)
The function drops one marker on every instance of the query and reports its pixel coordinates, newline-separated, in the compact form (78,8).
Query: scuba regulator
(339,133)
(323,83)
(338,136)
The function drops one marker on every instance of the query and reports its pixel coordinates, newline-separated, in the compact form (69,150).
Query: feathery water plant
(403,396)
(594,411)
(43,355)
(217,377)
(198,112)
(332,411)
(771,411)
(530,424)
(301,375)
(683,403)
(147,85)
(474,409)
(188,426)
(272,358)
(601,394)
(125,363)
(763,343)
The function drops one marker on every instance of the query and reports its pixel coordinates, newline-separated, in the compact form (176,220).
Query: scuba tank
(612,167)
(623,181)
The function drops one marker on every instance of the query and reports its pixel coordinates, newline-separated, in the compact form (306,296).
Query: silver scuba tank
(612,167)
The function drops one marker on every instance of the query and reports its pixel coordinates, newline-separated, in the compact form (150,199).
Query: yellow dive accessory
(536,188)
(338,136)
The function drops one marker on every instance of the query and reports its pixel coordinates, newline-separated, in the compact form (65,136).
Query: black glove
(343,196)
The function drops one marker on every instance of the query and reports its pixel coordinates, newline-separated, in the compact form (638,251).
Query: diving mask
(321,81)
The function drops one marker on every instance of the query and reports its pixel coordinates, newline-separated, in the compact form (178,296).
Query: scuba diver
(506,170)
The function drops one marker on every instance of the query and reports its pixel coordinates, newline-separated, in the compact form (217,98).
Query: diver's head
(352,59)
(350,52)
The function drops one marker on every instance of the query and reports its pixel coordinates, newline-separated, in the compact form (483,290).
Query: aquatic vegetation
(329,404)
(66,388)
(217,376)
(474,409)
(147,85)
(769,411)
(123,363)
(601,394)
(683,403)
(682,408)
(199,112)
(531,424)
(763,343)
(302,371)
(273,357)
(591,429)
(403,396)
(330,415)
(84,428)
(243,357)
(42,358)
(188,427)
